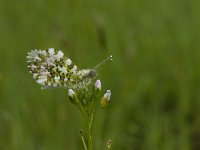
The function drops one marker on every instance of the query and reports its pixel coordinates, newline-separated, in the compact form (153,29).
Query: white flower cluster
(51,68)
(80,98)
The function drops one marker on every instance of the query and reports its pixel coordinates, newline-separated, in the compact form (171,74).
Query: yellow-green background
(154,78)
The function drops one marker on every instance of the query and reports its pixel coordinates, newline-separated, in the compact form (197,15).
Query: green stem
(109,145)
(88,110)
(90,120)
(84,144)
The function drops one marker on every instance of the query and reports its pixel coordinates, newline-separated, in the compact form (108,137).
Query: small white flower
(51,51)
(106,99)
(65,79)
(56,78)
(107,95)
(71,93)
(68,62)
(98,84)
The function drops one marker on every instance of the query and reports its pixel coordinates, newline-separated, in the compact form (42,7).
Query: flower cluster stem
(84,144)
(89,139)
(90,120)
(88,115)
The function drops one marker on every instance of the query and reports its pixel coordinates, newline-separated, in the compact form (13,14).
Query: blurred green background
(154,78)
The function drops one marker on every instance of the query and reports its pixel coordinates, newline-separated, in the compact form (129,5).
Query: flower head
(72,96)
(107,95)
(106,98)
(98,85)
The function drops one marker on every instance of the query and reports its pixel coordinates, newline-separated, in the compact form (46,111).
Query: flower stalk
(85,100)
(83,140)
(109,145)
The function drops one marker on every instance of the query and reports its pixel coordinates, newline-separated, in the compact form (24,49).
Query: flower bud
(97,89)
(72,96)
(106,98)
(98,85)
(71,93)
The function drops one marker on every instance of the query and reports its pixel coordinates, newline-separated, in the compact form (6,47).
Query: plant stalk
(84,144)
(90,120)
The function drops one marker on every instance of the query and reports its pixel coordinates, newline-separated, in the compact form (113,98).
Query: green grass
(154,77)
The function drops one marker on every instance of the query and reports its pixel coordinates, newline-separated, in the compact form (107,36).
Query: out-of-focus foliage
(154,78)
